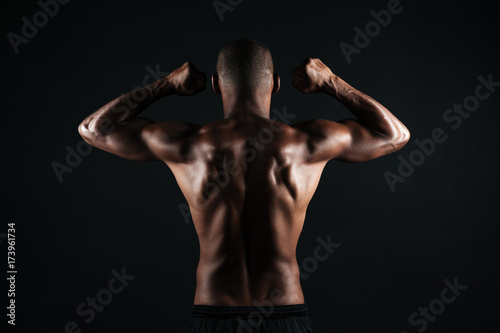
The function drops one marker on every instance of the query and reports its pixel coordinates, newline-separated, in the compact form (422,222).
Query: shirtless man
(247,179)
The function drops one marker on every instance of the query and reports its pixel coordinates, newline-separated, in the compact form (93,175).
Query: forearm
(366,109)
(125,107)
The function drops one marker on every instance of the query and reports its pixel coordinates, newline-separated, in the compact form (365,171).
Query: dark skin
(248,179)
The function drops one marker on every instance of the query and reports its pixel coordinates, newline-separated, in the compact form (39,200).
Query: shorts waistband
(276,311)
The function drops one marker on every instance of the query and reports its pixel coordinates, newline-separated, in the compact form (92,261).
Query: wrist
(330,85)
(164,87)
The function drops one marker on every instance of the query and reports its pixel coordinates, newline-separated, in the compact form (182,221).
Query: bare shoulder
(170,140)
(317,127)
(171,130)
(317,131)
(324,138)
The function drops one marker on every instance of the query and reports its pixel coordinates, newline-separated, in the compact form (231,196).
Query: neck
(246,105)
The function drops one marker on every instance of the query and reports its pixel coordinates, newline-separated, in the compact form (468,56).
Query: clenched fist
(187,80)
(312,76)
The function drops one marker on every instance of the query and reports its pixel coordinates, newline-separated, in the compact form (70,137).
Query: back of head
(245,66)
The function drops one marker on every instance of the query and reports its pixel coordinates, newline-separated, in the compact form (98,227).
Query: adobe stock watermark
(74,156)
(311,263)
(29,29)
(88,309)
(372,29)
(256,143)
(265,309)
(436,307)
(255,319)
(225,6)
(453,116)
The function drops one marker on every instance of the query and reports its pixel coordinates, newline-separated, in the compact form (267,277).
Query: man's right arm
(375,132)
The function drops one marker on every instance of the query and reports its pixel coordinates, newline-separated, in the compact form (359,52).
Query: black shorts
(250,319)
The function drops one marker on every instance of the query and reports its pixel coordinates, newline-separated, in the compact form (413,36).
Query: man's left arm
(115,127)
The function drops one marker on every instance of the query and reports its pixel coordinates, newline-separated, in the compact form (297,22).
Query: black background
(396,247)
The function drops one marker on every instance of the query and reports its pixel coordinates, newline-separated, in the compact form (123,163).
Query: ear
(215,83)
(276,83)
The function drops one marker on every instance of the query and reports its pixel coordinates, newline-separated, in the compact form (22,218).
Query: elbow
(90,136)
(83,130)
(405,134)
(94,127)
(400,139)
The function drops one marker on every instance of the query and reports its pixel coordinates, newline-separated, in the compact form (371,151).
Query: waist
(268,311)
(239,267)
(238,287)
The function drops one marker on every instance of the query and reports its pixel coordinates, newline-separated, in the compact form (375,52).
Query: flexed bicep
(375,132)
(115,127)
(347,140)
(124,139)
(141,139)
(363,143)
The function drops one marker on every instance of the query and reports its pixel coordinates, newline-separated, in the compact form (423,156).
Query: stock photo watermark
(363,37)
(11,272)
(256,318)
(223,177)
(425,315)
(30,28)
(311,263)
(222,7)
(74,156)
(453,116)
(88,309)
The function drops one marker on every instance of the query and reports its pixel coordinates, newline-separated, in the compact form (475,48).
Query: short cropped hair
(245,65)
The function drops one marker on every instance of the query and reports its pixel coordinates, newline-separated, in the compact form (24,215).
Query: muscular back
(248,186)
(247,179)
